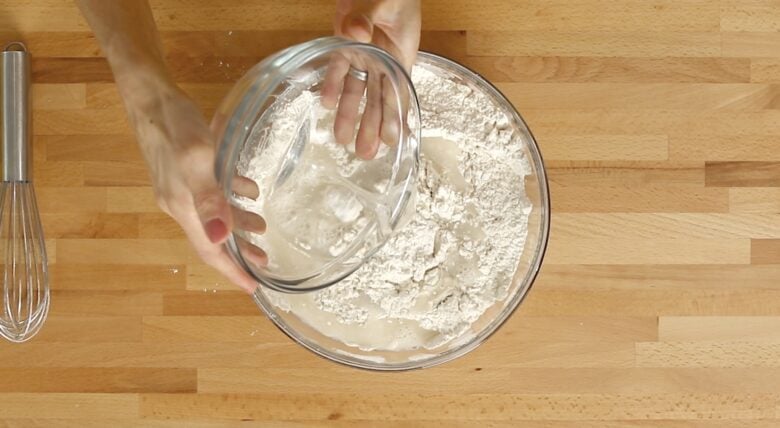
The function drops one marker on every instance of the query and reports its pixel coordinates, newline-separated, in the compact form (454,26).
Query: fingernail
(216,230)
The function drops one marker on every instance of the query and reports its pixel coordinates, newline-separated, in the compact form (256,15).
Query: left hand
(179,150)
(393,25)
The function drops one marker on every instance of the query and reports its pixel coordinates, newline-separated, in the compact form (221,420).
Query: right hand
(180,151)
(393,25)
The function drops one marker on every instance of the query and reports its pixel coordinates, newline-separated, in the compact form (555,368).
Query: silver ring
(358,74)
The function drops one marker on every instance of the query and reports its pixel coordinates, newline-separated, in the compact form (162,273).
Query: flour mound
(458,254)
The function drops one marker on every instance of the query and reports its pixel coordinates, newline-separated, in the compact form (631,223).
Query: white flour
(311,217)
(457,255)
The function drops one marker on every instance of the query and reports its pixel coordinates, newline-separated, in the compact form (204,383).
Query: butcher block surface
(658,304)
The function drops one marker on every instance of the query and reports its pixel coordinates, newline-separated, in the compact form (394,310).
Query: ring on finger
(358,74)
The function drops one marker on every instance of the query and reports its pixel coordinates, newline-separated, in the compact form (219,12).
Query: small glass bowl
(528,265)
(327,210)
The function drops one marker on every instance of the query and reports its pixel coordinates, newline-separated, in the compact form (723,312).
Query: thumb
(358,27)
(213,210)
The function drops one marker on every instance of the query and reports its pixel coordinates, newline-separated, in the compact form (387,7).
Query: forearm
(127,34)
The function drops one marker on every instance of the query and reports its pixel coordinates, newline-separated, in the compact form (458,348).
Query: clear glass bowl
(327,210)
(527,268)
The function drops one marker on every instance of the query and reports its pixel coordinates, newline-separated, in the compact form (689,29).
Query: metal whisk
(25,292)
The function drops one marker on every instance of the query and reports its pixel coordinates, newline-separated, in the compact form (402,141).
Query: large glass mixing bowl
(328,205)
(528,265)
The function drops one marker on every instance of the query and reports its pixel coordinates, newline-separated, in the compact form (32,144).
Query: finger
(367,142)
(214,214)
(398,47)
(235,274)
(218,122)
(357,26)
(334,80)
(252,254)
(343,8)
(245,187)
(214,255)
(248,221)
(349,105)
(352,19)
(391,120)
(213,209)
(399,22)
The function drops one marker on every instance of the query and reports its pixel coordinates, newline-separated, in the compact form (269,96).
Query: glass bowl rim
(515,301)
(274,70)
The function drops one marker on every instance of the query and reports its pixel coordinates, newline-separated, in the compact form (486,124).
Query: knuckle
(210,200)
(196,154)
(181,200)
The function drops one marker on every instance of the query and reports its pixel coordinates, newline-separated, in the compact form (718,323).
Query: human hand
(179,150)
(393,25)
(173,136)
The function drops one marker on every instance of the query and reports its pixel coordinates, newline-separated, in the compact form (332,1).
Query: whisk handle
(15,113)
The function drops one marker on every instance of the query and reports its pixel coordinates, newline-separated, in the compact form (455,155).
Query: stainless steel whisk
(25,292)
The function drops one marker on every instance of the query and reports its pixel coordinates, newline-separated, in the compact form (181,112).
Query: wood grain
(488,381)
(98,380)
(594,44)
(125,251)
(752,15)
(707,354)
(765,70)
(98,225)
(208,302)
(56,405)
(640,96)
(96,328)
(717,328)
(724,148)
(640,198)
(765,251)
(449,407)
(575,69)
(605,147)
(658,304)
(106,303)
(754,199)
(145,277)
(629,174)
(646,226)
(742,174)
(90,148)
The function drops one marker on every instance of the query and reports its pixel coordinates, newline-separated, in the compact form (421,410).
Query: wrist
(146,96)
(139,86)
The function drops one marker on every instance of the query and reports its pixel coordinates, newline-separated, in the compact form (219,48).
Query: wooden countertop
(659,300)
